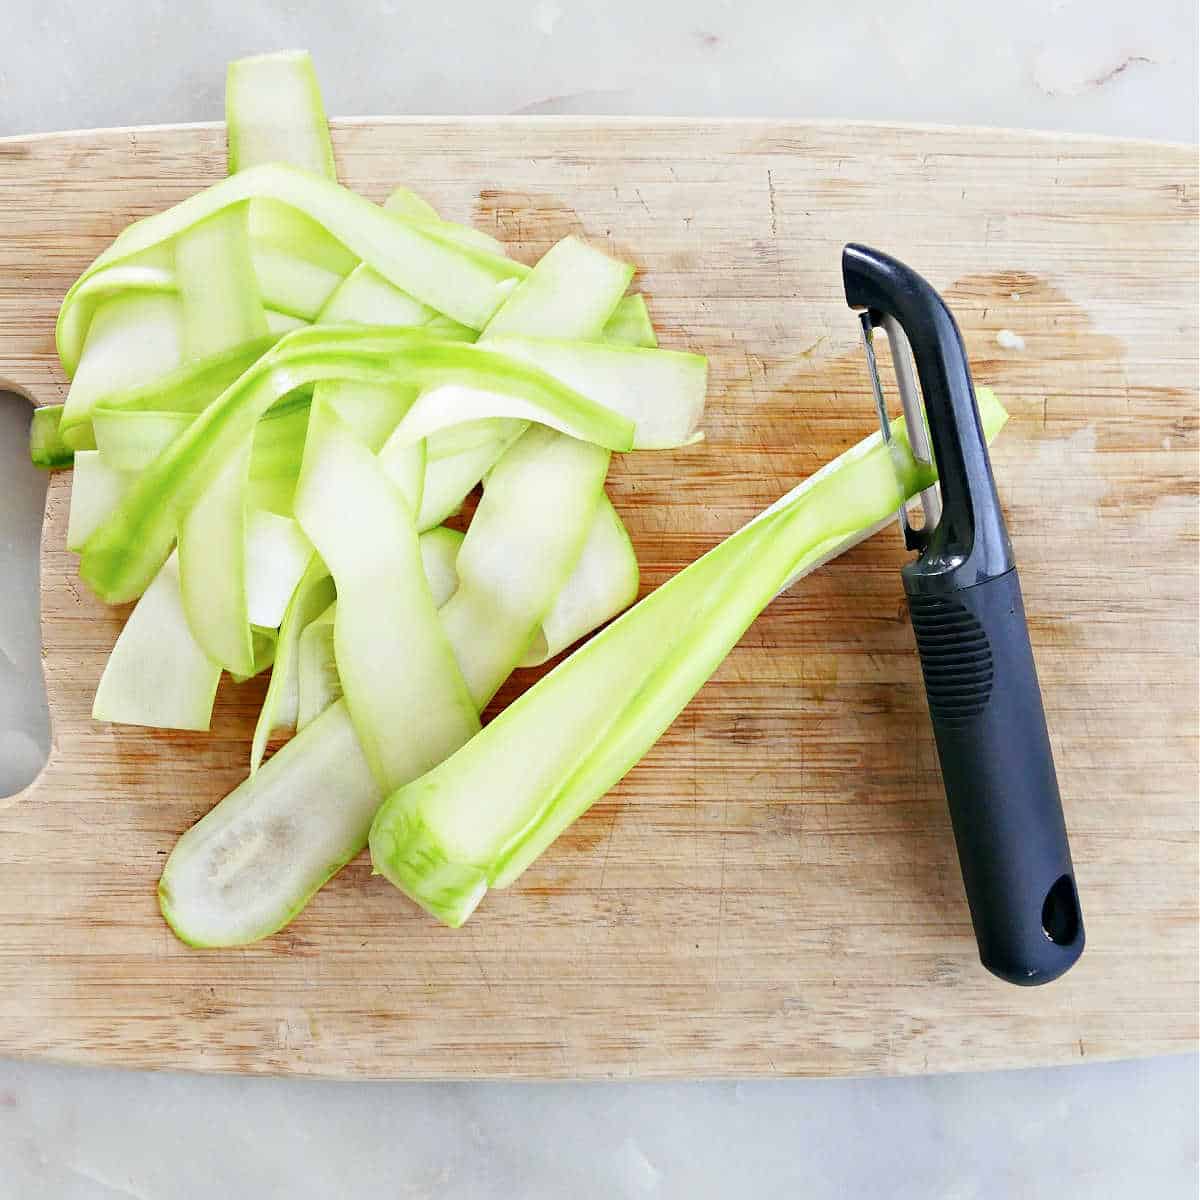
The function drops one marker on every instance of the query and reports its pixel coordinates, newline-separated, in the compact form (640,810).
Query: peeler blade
(914,418)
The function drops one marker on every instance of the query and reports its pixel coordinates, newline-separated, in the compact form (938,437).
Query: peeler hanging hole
(1060,912)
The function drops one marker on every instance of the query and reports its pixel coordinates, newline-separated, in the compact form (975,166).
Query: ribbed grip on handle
(987,714)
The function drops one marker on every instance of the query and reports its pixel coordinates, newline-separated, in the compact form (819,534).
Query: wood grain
(774,889)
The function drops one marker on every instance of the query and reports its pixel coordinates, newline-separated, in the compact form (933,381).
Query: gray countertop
(1103,1130)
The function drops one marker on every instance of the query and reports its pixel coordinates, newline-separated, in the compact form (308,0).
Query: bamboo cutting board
(774,889)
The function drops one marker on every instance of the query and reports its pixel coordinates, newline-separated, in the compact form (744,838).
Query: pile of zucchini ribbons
(280,391)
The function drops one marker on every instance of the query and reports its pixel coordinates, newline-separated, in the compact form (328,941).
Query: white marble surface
(1095,1131)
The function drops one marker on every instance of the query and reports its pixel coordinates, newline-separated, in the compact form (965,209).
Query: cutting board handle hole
(24,718)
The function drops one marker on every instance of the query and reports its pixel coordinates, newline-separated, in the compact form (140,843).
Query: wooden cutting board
(774,890)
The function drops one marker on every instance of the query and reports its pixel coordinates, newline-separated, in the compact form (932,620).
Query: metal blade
(914,418)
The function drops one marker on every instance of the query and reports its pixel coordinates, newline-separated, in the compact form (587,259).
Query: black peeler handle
(982,685)
(999,775)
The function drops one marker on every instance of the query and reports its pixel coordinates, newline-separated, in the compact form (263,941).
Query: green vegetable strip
(605,580)
(134,338)
(157,674)
(541,497)
(191,387)
(451,473)
(404,465)
(124,554)
(371,410)
(96,492)
(661,391)
(630,324)
(263,642)
(275,226)
(277,554)
(218,292)
(131,439)
(292,286)
(603,583)
(365,297)
(280,323)
(274,113)
(212,568)
(152,271)
(248,867)
(522,544)
(460,282)
(483,815)
(392,655)
(571,293)
(318,681)
(46,447)
(312,595)
(279,440)
(404,202)
(455,403)
(440,549)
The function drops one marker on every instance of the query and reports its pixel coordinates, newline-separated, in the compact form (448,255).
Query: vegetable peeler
(965,602)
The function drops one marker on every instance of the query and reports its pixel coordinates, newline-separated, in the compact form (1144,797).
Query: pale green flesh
(449,477)
(528,533)
(454,404)
(521,546)
(371,410)
(530,554)
(277,554)
(603,583)
(661,391)
(404,202)
(263,643)
(130,440)
(151,271)
(312,595)
(318,681)
(46,447)
(244,870)
(191,387)
(392,654)
(212,568)
(630,324)
(459,281)
(364,297)
(279,440)
(96,491)
(291,285)
(571,293)
(274,113)
(279,323)
(133,339)
(219,297)
(157,674)
(404,465)
(123,555)
(484,814)
(277,226)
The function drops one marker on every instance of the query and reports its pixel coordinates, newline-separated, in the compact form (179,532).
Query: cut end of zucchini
(248,867)
(46,446)
(405,852)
